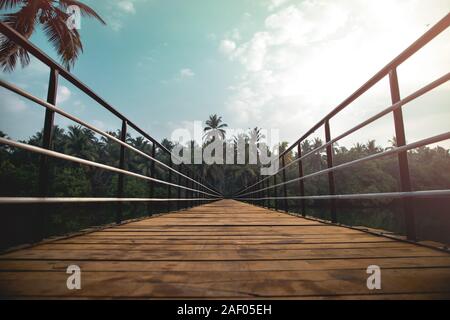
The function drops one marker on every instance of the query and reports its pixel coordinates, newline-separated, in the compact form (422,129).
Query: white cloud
(227,46)
(310,56)
(274,4)
(118,11)
(186,73)
(63,95)
(182,74)
(127,6)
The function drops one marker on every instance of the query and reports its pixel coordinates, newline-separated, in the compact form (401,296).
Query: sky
(275,64)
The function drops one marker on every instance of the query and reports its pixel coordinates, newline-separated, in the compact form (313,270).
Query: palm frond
(23,21)
(9,4)
(66,42)
(84,9)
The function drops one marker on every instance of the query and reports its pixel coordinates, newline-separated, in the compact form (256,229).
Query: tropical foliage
(25,15)
(430,169)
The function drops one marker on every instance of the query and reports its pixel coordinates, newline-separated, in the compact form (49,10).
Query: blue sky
(269,63)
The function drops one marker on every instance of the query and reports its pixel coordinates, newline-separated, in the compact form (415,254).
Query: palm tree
(244,174)
(4,147)
(371,147)
(358,148)
(215,125)
(81,143)
(256,134)
(36,139)
(59,139)
(240,141)
(51,14)
(137,162)
(393,143)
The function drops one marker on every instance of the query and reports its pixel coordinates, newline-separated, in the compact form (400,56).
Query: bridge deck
(226,249)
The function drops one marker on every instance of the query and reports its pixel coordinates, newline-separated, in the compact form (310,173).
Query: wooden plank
(226,249)
(240,254)
(206,266)
(203,246)
(226,284)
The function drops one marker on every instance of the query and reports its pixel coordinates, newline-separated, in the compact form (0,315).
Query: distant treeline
(19,170)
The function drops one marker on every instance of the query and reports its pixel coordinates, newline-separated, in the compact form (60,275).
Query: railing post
(255,195)
(260,186)
(190,205)
(180,168)
(196,194)
(123,137)
(331,183)
(187,192)
(152,175)
(169,187)
(275,191)
(192,193)
(252,195)
(405,180)
(201,195)
(283,163)
(44,168)
(301,184)
(268,193)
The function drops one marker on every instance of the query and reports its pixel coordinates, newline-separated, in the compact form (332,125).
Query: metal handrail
(440,81)
(432,33)
(366,196)
(34,200)
(67,115)
(196,188)
(63,156)
(263,184)
(40,55)
(415,145)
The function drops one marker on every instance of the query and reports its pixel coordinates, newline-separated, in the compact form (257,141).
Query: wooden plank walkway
(226,249)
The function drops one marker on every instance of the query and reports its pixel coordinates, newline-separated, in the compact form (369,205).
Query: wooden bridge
(226,249)
(216,248)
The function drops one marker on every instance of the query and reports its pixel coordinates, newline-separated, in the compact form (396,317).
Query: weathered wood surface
(226,249)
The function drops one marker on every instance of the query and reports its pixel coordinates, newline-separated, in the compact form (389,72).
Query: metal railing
(195,189)
(260,191)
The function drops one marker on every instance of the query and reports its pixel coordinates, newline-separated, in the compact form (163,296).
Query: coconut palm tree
(393,143)
(52,16)
(371,147)
(81,143)
(215,125)
(137,162)
(256,134)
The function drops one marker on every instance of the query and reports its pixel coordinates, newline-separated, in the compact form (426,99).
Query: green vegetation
(430,169)
(25,15)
